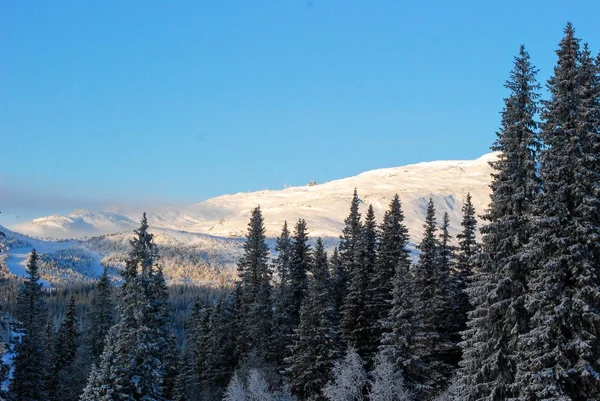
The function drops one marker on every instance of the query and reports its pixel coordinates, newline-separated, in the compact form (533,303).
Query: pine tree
(314,344)
(392,252)
(30,363)
(496,291)
(255,293)
(101,315)
(560,352)
(132,365)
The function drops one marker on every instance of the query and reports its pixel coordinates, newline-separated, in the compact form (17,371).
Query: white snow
(323,206)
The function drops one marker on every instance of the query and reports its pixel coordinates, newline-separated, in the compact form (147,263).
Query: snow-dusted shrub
(349,379)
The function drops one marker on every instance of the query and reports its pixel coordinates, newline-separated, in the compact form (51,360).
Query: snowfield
(323,206)
(201,243)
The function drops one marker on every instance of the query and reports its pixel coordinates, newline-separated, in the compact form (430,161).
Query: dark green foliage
(356,320)
(282,321)
(560,356)
(101,315)
(62,359)
(434,310)
(347,252)
(496,291)
(132,365)
(315,342)
(30,362)
(392,251)
(299,265)
(255,293)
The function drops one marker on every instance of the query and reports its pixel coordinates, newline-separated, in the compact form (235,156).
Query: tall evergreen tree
(496,291)
(63,356)
(348,250)
(356,320)
(132,365)
(339,280)
(300,263)
(283,326)
(220,348)
(392,252)
(314,344)
(255,292)
(101,315)
(434,311)
(30,363)
(468,249)
(560,356)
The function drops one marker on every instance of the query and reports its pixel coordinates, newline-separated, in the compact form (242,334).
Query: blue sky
(146,102)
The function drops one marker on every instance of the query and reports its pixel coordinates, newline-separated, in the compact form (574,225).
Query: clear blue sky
(109,102)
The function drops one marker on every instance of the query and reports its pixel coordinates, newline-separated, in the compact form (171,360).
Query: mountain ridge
(324,206)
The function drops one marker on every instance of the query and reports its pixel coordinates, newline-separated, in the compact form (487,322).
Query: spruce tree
(101,315)
(560,351)
(392,252)
(433,309)
(30,362)
(218,353)
(356,320)
(399,339)
(496,291)
(299,265)
(314,345)
(468,249)
(339,279)
(255,293)
(282,321)
(63,356)
(348,250)
(132,365)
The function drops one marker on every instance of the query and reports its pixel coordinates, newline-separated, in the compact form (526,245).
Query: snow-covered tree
(132,364)
(433,310)
(496,290)
(468,248)
(349,379)
(392,251)
(30,363)
(387,382)
(356,321)
(560,351)
(315,340)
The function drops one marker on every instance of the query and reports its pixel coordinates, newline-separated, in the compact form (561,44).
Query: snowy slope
(323,206)
(185,257)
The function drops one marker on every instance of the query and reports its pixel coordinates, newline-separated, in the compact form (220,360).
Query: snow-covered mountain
(324,206)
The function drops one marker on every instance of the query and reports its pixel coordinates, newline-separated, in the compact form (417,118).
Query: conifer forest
(508,309)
